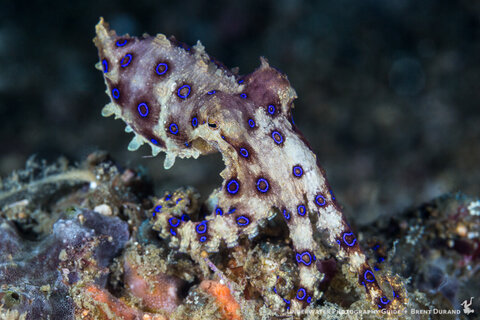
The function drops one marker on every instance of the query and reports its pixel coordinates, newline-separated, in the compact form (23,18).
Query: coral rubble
(102,255)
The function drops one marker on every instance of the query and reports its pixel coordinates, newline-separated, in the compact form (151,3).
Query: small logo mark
(466,306)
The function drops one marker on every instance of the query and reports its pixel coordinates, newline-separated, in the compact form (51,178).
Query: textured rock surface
(33,283)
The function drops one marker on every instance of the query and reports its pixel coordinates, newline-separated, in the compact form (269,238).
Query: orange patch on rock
(109,306)
(113,305)
(230,307)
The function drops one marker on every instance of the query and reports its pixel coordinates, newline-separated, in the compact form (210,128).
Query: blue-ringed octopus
(180,101)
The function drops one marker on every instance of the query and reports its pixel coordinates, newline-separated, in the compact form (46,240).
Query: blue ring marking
(154,141)
(194,122)
(299,258)
(274,289)
(184,46)
(161,73)
(202,239)
(245,223)
(240,81)
(321,202)
(364,284)
(211,92)
(301,208)
(267,186)
(237,186)
(219,212)
(331,193)
(115,93)
(173,232)
(244,152)
(381,300)
(173,222)
(139,108)
(271,109)
(348,234)
(309,299)
(173,128)
(297,171)
(301,290)
(178,200)
(185,217)
(121,44)
(180,89)
(232,210)
(124,63)
(251,123)
(277,137)
(168,197)
(105,65)
(286,214)
(158,208)
(204,224)
(243,95)
(365,276)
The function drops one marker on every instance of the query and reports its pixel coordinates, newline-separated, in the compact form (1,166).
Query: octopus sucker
(186,104)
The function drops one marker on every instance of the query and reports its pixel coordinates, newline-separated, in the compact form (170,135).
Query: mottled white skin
(223,126)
